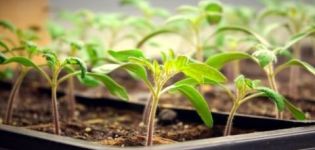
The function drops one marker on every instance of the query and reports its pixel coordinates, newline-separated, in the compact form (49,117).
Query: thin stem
(150,126)
(146,111)
(55,113)
(273,85)
(13,95)
(54,101)
(251,97)
(229,123)
(66,77)
(71,98)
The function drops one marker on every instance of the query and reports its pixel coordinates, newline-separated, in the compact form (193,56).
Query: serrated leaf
(213,13)
(200,72)
(123,56)
(113,87)
(219,60)
(79,62)
(51,58)
(198,102)
(278,99)
(298,63)
(296,112)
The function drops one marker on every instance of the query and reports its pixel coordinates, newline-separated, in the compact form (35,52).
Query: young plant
(24,47)
(189,25)
(297,18)
(194,19)
(265,55)
(159,83)
(246,90)
(56,66)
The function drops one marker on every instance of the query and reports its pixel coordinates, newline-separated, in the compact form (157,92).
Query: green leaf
(21,60)
(278,99)
(197,101)
(200,72)
(88,81)
(298,63)
(213,13)
(3,45)
(296,112)
(265,56)
(79,62)
(298,37)
(244,30)
(219,60)
(123,56)
(2,58)
(187,9)
(31,47)
(142,62)
(151,35)
(55,31)
(113,87)
(135,69)
(7,25)
(51,58)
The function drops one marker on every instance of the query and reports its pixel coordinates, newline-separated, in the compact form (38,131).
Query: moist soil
(103,125)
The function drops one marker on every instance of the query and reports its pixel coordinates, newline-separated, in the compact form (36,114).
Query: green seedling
(265,55)
(24,47)
(194,19)
(246,90)
(56,66)
(146,9)
(297,18)
(135,63)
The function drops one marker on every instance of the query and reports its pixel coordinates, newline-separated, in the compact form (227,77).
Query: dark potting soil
(104,125)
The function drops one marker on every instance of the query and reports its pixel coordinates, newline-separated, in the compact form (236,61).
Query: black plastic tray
(274,134)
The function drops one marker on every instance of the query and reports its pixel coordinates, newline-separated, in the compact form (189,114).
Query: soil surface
(104,125)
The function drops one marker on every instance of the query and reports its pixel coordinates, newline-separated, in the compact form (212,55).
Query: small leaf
(31,47)
(265,56)
(3,45)
(197,101)
(8,25)
(278,99)
(142,62)
(213,13)
(79,62)
(297,113)
(124,55)
(151,35)
(298,37)
(298,63)
(219,60)
(2,58)
(135,69)
(187,9)
(113,87)
(200,72)
(244,30)
(51,58)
